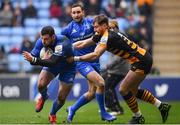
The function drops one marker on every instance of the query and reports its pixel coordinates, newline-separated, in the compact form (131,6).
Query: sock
(132,103)
(44,93)
(157,103)
(100,100)
(56,106)
(147,96)
(80,102)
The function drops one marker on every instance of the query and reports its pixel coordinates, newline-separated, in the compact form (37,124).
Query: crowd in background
(134,18)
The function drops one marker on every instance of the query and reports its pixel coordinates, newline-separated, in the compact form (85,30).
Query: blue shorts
(66,74)
(85,68)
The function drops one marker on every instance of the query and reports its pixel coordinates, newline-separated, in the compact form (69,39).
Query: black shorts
(144,65)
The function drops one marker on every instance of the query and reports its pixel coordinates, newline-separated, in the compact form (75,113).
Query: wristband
(34,60)
(76,58)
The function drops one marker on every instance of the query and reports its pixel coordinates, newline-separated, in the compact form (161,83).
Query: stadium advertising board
(165,88)
(14,88)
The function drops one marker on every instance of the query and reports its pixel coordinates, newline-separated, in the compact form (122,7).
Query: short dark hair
(47,30)
(77,5)
(101,19)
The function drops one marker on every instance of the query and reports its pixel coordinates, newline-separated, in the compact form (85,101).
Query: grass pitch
(23,112)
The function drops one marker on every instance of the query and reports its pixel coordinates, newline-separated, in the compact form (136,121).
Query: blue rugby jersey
(61,47)
(80,31)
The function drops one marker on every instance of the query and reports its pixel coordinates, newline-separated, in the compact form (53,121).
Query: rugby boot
(52,119)
(40,103)
(137,120)
(164,109)
(71,114)
(107,117)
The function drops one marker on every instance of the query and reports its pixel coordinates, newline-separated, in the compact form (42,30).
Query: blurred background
(153,24)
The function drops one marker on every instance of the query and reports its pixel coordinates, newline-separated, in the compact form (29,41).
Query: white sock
(137,114)
(157,103)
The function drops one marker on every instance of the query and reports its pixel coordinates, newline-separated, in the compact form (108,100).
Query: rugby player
(140,60)
(79,29)
(55,65)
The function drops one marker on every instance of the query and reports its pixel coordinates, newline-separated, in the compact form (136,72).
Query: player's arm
(36,50)
(83,43)
(53,60)
(99,50)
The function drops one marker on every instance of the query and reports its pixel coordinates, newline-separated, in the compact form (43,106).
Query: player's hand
(27,56)
(70,59)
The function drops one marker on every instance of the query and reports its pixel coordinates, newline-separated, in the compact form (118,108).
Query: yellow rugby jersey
(120,45)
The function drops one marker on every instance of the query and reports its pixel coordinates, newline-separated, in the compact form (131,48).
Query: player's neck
(81,21)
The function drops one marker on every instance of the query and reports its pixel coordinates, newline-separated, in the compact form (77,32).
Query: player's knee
(42,83)
(100,82)
(41,86)
(123,90)
(90,95)
(61,99)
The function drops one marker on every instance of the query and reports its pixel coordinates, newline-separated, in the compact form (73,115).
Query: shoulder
(39,42)
(96,38)
(69,26)
(61,38)
(89,20)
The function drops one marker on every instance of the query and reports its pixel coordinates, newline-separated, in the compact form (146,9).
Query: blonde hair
(113,24)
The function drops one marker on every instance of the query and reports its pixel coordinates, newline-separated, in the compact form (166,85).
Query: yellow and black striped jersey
(118,44)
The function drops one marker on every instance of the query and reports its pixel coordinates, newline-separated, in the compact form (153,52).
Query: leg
(131,83)
(147,96)
(44,79)
(111,99)
(94,79)
(88,70)
(67,78)
(64,90)
(84,99)
(99,82)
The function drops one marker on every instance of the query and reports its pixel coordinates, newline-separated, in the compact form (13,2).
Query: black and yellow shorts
(144,65)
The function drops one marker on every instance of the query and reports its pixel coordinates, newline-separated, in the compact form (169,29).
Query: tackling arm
(83,43)
(100,49)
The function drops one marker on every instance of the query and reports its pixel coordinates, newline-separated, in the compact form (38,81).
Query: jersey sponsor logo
(83,37)
(74,31)
(58,49)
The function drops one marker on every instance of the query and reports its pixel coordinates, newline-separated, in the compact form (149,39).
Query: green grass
(23,112)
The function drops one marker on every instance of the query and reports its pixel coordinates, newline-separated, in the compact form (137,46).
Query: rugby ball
(45,53)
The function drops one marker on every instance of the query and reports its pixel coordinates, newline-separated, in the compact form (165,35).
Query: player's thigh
(91,72)
(131,82)
(95,78)
(45,77)
(66,77)
(64,90)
